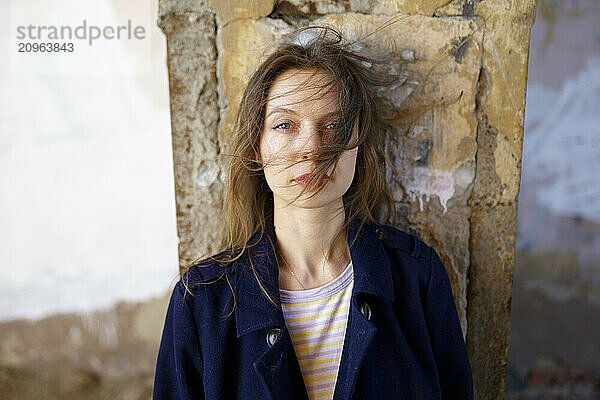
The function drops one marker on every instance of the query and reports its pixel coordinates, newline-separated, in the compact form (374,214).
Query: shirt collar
(372,274)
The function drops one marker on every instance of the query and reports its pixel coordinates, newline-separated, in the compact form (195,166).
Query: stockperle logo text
(84,31)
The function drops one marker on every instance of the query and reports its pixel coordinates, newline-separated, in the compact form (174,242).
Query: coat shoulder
(400,240)
(206,271)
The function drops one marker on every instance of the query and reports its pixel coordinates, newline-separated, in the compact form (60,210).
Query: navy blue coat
(409,346)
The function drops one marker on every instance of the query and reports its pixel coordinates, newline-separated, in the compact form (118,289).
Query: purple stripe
(313,326)
(317,308)
(322,387)
(323,322)
(318,323)
(323,308)
(321,370)
(345,283)
(335,352)
(316,340)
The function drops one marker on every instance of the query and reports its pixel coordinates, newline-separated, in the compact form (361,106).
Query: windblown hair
(248,200)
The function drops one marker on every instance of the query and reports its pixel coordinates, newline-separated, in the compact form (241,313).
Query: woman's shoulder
(208,272)
(205,289)
(417,259)
(408,243)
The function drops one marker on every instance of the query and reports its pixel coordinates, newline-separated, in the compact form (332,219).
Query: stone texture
(192,58)
(433,153)
(500,114)
(241,9)
(492,256)
(169,7)
(242,46)
(426,7)
(318,7)
(456,8)
(506,45)
(375,7)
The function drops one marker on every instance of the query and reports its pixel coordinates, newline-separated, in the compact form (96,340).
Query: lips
(302,179)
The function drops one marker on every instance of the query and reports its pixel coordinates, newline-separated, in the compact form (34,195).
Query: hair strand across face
(248,201)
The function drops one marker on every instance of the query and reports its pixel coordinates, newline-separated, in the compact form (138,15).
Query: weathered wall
(102,355)
(457,165)
(191,51)
(556,284)
(500,115)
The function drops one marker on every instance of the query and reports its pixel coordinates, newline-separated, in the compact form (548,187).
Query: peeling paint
(416,130)
(428,182)
(398,92)
(408,55)
(461,47)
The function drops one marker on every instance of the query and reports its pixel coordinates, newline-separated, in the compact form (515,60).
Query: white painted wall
(87,210)
(559,199)
(561,151)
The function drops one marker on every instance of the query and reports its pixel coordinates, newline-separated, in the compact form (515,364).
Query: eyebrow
(289,111)
(281,110)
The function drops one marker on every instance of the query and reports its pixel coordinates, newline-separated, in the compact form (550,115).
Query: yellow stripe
(319,362)
(320,378)
(308,303)
(308,333)
(319,346)
(315,395)
(339,310)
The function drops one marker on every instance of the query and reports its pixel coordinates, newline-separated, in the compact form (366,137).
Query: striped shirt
(316,319)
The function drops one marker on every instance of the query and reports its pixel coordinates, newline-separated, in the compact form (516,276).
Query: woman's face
(299,115)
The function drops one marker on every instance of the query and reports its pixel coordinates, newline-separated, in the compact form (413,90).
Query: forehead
(307,91)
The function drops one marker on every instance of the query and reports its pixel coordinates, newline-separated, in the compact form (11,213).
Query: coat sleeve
(179,365)
(450,352)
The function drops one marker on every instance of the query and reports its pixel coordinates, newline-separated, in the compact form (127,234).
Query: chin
(319,200)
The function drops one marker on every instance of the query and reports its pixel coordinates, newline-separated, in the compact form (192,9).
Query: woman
(324,302)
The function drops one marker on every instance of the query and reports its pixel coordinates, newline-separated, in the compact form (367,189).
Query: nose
(310,141)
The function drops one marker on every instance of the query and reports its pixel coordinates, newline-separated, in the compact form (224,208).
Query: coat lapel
(372,275)
(276,367)
(359,333)
(272,370)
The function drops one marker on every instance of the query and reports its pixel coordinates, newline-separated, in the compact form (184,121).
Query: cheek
(263,148)
(272,165)
(269,148)
(348,159)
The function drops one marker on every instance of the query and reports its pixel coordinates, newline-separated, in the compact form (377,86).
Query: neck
(305,239)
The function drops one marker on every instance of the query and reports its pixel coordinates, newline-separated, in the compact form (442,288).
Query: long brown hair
(248,201)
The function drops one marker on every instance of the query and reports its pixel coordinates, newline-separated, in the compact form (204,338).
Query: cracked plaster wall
(456,165)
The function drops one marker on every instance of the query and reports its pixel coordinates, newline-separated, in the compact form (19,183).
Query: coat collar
(372,274)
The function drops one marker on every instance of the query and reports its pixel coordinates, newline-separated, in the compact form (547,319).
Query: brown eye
(284,126)
(332,125)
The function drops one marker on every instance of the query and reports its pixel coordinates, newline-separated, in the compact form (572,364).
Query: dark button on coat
(410,347)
